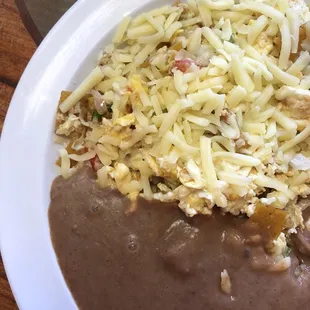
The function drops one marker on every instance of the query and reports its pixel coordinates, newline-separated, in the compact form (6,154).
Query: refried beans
(114,256)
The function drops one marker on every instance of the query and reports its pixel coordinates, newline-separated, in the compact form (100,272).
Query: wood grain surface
(16,49)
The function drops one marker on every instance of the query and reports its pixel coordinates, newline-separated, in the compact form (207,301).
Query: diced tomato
(183,64)
(225,115)
(94,162)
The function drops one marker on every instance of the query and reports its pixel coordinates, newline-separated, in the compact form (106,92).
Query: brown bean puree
(157,258)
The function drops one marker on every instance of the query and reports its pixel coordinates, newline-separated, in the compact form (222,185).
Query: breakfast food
(205,104)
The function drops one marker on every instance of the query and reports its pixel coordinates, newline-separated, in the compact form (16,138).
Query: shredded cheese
(90,82)
(210,96)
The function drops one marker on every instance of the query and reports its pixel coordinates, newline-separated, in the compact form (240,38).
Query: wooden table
(16,48)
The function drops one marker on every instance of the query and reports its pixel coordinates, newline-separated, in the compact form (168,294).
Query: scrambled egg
(296,101)
(125,120)
(71,124)
(191,201)
(264,43)
(294,218)
(279,246)
(301,8)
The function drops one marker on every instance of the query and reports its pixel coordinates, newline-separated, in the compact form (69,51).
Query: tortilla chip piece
(64,95)
(271,220)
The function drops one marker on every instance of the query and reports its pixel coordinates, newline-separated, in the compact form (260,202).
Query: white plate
(27,156)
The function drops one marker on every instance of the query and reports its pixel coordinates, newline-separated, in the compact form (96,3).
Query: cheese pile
(204,103)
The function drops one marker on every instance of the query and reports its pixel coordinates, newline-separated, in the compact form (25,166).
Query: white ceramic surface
(28,154)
